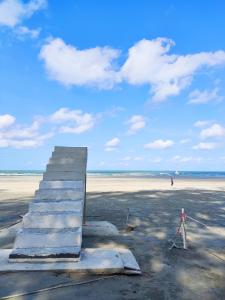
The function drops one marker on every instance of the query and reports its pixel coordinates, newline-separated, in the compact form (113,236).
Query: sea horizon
(128,173)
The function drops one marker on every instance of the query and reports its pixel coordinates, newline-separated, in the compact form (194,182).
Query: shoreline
(175,177)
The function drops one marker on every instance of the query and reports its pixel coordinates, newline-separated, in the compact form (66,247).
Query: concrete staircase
(52,228)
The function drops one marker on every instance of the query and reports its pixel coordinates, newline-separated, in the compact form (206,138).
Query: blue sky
(141,83)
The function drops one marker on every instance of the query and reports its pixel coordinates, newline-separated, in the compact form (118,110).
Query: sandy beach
(154,206)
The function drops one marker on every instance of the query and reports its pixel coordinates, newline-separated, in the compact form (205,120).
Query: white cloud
(185,141)
(136,123)
(6,120)
(13,134)
(216,130)
(127,158)
(202,97)
(25,143)
(70,66)
(138,158)
(200,124)
(156,160)
(23,31)
(112,144)
(183,159)
(113,112)
(159,144)
(12,12)
(149,63)
(121,164)
(21,132)
(130,158)
(21,136)
(77,121)
(110,149)
(205,146)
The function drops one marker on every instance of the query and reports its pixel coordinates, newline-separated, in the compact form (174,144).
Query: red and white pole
(183,217)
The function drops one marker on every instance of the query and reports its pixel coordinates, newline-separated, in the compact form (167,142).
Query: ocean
(122,173)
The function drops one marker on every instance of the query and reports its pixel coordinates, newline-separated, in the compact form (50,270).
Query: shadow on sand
(177,274)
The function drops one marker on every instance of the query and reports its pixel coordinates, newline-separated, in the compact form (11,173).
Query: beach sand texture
(198,273)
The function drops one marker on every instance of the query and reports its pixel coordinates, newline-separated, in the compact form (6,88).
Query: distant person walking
(171,177)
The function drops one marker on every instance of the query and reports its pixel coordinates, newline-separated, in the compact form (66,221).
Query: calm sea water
(118,173)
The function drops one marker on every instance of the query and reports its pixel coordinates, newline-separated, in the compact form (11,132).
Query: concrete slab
(94,261)
(44,255)
(129,261)
(37,238)
(48,206)
(64,176)
(52,220)
(59,194)
(61,185)
(99,228)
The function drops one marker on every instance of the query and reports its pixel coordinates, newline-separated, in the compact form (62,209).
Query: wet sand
(197,273)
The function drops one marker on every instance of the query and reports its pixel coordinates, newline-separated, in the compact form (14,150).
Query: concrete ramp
(52,228)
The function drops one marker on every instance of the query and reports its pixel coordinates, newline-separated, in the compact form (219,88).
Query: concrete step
(52,220)
(50,206)
(30,238)
(81,153)
(70,149)
(52,229)
(61,159)
(75,154)
(64,175)
(76,166)
(58,194)
(76,185)
(45,254)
